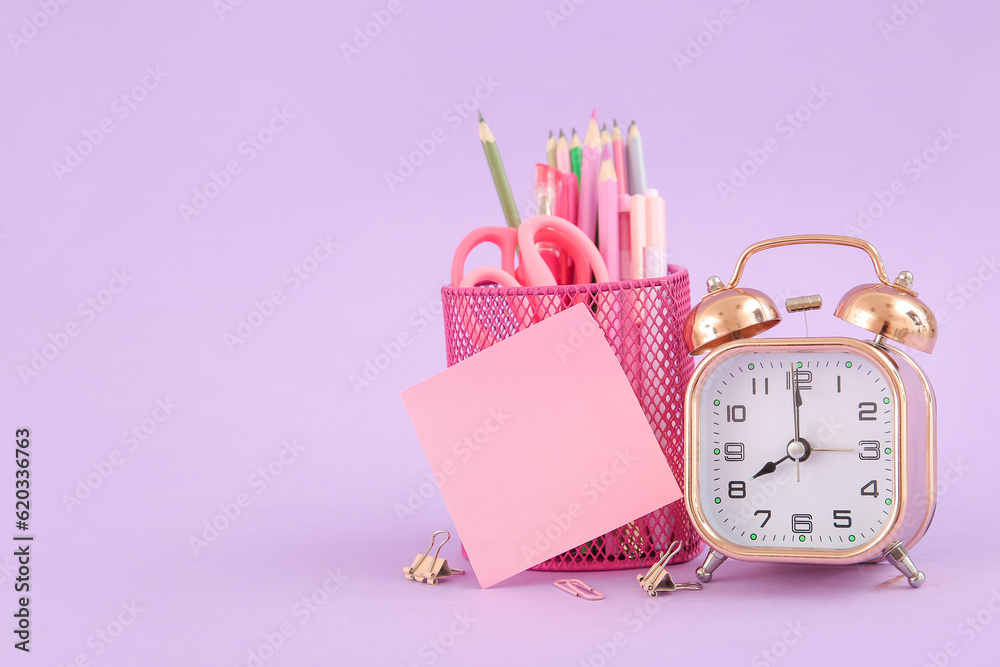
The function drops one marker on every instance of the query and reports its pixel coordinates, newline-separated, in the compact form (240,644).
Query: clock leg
(712,562)
(897,555)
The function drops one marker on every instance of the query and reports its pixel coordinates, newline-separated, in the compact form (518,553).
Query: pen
(655,250)
(637,222)
(499,175)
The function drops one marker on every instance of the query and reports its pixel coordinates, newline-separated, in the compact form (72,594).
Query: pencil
(605,136)
(590,168)
(637,222)
(636,165)
(562,153)
(575,154)
(607,201)
(550,151)
(619,148)
(498,173)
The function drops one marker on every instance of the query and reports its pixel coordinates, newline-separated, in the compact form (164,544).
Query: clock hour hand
(770,466)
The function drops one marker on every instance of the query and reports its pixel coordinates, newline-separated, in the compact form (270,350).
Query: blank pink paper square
(539,445)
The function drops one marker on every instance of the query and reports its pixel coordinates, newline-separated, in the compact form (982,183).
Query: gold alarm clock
(810,450)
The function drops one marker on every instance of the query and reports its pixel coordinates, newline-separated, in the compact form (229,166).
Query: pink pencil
(607,202)
(589,173)
(637,219)
(620,169)
(574,198)
(562,153)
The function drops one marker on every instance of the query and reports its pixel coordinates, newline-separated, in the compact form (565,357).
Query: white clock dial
(813,473)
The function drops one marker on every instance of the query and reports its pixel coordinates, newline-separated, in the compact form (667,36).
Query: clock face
(797,449)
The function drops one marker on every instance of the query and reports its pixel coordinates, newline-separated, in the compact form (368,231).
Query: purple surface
(330,127)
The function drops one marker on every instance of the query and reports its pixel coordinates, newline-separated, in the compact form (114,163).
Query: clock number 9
(802,523)
(738,413)
(866,412)
(734,451)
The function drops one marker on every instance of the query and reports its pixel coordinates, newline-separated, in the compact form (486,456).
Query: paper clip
(435,568)
(578,588)
(658,580)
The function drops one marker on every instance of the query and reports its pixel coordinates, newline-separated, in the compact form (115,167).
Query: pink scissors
(532,271)
(522,310)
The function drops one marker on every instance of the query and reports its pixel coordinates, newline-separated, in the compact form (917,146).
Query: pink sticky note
(539,445)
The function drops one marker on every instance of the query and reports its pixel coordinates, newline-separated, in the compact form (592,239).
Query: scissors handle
(573,240)
(504,238)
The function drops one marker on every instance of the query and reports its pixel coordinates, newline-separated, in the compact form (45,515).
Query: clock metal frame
(914,466)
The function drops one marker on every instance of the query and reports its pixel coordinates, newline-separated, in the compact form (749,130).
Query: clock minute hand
(770,466)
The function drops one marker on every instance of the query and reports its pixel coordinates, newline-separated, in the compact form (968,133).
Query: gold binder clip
(430,569)
(658,580)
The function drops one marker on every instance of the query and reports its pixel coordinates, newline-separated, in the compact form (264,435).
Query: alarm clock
(810,450)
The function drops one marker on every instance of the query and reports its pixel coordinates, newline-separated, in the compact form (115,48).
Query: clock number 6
(802,523)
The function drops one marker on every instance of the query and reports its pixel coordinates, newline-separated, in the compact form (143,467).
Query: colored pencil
(575,154)
(605,136)
(590,169)
(562,153)
(637,220)
(620,169)
(498,173)
(550,151)
(607,201)
(636,165)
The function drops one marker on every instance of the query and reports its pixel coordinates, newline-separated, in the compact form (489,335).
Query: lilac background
(333,506)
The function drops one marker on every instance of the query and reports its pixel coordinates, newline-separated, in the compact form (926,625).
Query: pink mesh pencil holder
(642,320)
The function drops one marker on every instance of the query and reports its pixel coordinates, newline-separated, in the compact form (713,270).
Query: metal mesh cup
(642,321)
